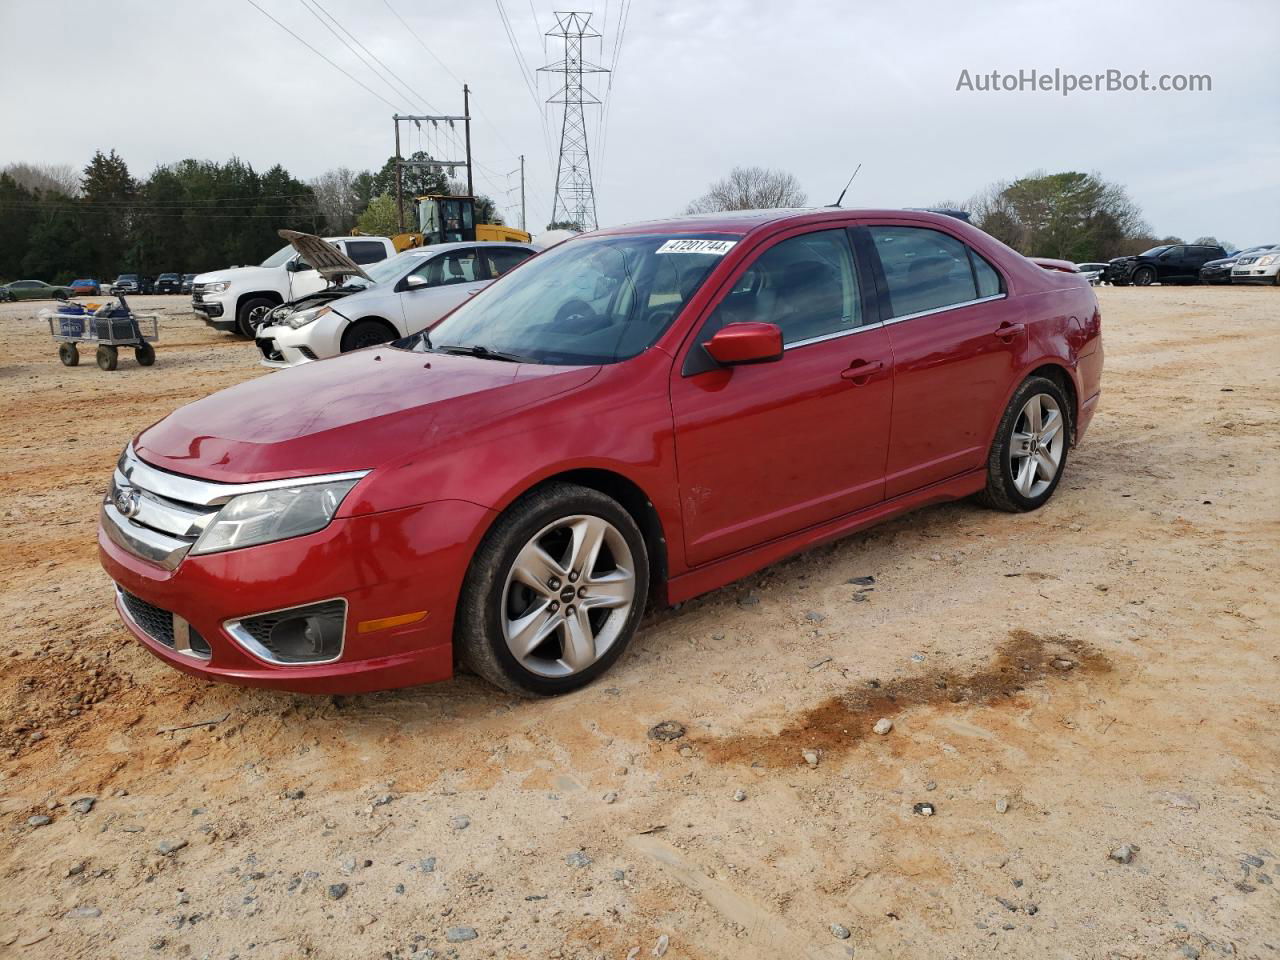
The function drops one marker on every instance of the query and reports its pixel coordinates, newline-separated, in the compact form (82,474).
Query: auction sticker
(717,248)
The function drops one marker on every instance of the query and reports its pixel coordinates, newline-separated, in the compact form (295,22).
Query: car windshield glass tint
(594,300)
(1153,252)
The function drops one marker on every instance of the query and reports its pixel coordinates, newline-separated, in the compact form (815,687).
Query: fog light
(309,634)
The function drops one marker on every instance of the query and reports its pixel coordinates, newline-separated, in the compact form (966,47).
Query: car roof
(742,222)
(431,249)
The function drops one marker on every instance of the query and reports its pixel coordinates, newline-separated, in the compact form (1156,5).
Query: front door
(765,450)
(451,278)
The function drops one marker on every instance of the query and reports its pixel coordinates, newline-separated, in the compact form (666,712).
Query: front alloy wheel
(554,592)
(567,596)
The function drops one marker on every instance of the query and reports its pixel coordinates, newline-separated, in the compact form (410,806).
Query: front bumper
(1252,273)
(214,313)
(382,565)
(283,346)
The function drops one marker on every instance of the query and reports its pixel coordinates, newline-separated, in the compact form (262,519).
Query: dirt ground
(1104,672)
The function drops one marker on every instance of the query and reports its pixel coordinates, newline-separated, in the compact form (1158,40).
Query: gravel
(1123,853)
(39,820)
(666,731)
(84,804)
(460,822)
(578,859)
(337,891)
(883,726)
(839,931)
(460,934)
(169,847)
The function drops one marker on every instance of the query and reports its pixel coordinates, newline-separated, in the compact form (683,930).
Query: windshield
(390,269)
(1154,251)
(280,257)
(594,300)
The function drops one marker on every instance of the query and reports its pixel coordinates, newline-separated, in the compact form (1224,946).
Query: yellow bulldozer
(448,219)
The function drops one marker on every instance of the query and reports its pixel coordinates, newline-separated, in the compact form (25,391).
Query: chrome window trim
(243,637)
(181,629)
(885,323)
(208,493)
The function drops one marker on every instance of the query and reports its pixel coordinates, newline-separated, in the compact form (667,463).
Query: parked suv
(169,283)
(236,299)
(185,285)
(502,489)
(127,283)
(1168,263)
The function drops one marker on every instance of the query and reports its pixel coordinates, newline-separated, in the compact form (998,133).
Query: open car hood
(330,262)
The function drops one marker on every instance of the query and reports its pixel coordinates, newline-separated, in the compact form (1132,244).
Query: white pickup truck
(236,298)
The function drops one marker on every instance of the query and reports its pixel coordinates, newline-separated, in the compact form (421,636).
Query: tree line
(58,223)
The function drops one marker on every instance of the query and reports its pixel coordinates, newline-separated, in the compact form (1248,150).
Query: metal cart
(110,326)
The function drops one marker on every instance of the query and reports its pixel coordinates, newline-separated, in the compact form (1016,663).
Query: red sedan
(636,416)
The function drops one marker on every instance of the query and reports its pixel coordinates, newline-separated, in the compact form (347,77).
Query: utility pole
(523,223)
(466,111)
(399,181)
(575,197)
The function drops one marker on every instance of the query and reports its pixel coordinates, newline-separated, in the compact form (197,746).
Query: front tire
(69,354)
(1030,450)
(1144,277)
(366,333)
(108,357)
(250,312)
(145,354)
(554,593)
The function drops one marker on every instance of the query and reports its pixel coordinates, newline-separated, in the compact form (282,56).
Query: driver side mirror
(298,265)
(415,281)
(743,343)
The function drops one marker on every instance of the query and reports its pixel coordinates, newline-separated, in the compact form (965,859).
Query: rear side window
(806,285)
(366,251)
(928,270)
(502,259)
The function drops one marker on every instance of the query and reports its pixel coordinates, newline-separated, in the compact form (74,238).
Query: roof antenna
(846,187)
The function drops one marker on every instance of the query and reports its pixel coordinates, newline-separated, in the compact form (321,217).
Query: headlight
(1268,259)
(218,287)
(303,317)
(271,515)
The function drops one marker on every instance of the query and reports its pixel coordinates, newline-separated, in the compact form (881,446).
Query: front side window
(805,285)
(586,301)
(929,270)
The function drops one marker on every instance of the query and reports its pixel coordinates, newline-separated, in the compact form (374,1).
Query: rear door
(955,337)
(768,449)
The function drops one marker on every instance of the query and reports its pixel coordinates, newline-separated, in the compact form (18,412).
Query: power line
(335,66)
(376,59)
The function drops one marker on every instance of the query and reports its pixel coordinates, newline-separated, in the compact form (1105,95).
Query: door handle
(860,371)
(1007,331)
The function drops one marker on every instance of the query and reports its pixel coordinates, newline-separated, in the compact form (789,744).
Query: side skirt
(721,572)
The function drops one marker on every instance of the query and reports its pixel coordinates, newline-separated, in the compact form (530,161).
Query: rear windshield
(586,301)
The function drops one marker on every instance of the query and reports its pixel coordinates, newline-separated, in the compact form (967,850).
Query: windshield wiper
(482,352)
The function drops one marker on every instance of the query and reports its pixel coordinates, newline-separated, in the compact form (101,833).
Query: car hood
(330,262)
(353,412)
(1223,262)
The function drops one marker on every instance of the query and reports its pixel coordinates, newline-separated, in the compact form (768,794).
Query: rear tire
(69,354)
(554,592)
(366,333)
(1029,453)
(249,313)
(108,358)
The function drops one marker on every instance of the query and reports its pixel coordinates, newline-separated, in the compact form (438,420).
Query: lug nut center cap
(567,594)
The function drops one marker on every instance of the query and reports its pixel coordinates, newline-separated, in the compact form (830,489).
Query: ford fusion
(637,416)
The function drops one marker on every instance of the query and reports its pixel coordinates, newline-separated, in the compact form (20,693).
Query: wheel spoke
(1046,467)
(1052,425)
(1020,444)
(579,641)
(1025,476)
(588,538)
(614,589)
(525,634)
(534,567)
(1033,412)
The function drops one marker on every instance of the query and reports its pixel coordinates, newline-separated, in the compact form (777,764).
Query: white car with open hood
(236,299)
(382,302)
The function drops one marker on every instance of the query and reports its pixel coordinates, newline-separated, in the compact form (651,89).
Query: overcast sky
(811,86)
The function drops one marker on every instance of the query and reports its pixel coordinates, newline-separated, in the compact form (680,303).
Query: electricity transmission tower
(575,199)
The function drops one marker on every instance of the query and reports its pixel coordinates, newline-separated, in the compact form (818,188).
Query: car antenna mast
(846,187)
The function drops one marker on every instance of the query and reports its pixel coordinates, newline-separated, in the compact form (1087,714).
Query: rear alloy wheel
(1030,449)
(1144,277)
(554,592)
